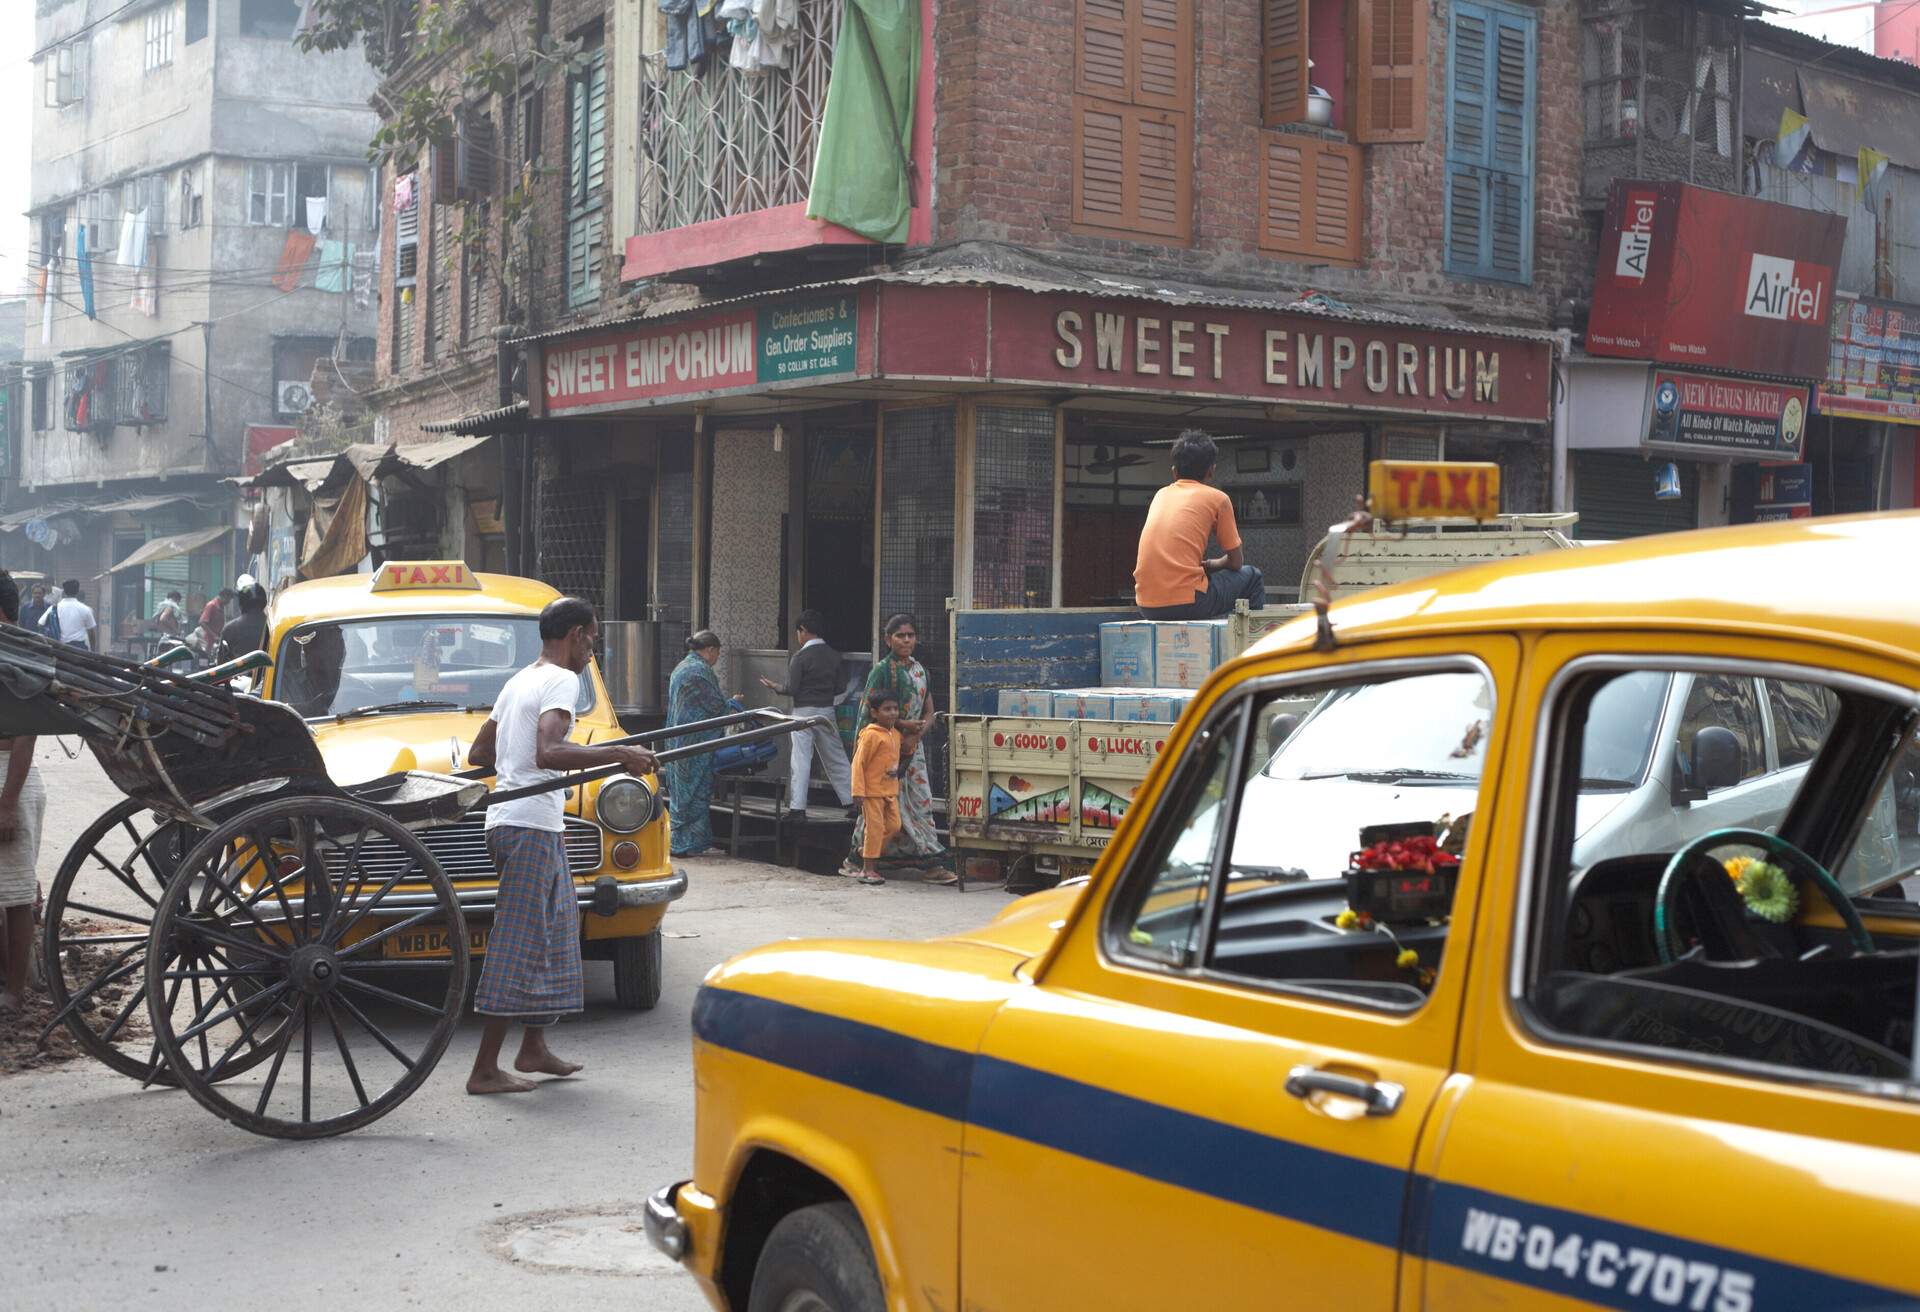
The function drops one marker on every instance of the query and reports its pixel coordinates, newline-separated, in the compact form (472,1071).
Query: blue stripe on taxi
(1471,1228)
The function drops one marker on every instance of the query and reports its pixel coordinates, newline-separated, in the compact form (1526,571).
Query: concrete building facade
(205,226)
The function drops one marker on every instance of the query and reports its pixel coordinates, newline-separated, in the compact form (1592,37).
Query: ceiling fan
(1106,462)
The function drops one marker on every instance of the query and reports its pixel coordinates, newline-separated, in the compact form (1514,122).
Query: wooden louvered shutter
(1133,126)
(1283,61)
(586,181)
(1389,66)
(1490,134)
(1310,199)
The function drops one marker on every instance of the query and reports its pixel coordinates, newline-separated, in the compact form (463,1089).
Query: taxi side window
(1802,714)
(1163,923)
(1333,849)
(1652,932)
(1725,702)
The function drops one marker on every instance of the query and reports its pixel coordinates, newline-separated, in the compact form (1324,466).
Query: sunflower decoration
(1767,889)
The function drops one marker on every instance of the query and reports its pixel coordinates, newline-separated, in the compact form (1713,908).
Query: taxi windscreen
(380,666)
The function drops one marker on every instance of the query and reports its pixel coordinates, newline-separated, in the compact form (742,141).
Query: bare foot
(496,1082)
(545,1064)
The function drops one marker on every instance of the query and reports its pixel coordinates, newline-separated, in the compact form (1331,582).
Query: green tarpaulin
(861,175)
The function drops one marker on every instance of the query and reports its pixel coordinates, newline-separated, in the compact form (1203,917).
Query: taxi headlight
(625,805)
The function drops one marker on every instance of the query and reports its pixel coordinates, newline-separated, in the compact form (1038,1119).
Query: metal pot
(1320,109)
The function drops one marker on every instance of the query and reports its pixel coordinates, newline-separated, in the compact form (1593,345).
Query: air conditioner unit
(292,398)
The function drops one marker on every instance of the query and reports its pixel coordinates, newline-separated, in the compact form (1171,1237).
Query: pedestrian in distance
(248,633)
(213,622)
(876,780)
(170,615)
(532,969)
(1173,577)
(693,694)
(23,804)
(917,843)
(74,617)
(813,681)
(35,609)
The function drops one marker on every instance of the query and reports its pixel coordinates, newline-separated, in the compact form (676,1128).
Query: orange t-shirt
(875,758)
(1183,516)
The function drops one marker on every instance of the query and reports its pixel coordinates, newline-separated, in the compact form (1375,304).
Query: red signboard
(1696,277)
(1305,360)
(262,438)
(698,354)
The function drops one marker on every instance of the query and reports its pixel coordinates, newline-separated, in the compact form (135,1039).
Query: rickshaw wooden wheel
(96,972)
(349,1047)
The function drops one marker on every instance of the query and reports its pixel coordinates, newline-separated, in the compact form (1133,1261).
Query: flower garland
(1767,889)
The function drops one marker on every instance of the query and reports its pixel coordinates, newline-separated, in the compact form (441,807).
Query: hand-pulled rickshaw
(251,895)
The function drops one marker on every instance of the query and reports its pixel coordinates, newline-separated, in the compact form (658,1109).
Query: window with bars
(586,225)
(1013,494)
(269,194)
(406,269)
(1658,94)
(191,192)
(127,387)
(65,71)
(159,44)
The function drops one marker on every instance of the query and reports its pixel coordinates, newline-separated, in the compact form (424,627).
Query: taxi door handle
(1380,1097)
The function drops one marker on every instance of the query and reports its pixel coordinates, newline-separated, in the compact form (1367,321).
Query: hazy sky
(16,125)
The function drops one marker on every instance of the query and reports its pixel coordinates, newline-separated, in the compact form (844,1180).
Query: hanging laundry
(330,272)
(49,293)
(85,263)
(293,259)
(146,291)
(686,34)
(316,213)
(365,275)
(403,193)
(133,240)
(779,23)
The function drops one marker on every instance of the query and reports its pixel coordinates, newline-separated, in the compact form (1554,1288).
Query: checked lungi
(532,967)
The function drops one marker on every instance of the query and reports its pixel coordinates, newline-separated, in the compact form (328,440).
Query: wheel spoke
(360,913)
(228,941)
(306,1064)
(279,1056)
(117,971)
(91,910)
(200,1027)
(383,935)
(219,974)
(101,940)
(270,869)
(387,995)
(340,1039)
(246,1037)
(206,1057)
(125,877)
(153,1057)
(246,908)
(379,1034)
(333,903)
(125,1012)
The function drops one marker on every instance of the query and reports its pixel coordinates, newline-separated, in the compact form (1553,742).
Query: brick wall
(460,378)
(1005,167)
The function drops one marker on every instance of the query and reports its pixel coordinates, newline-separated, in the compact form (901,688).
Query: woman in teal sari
(899,675)
(693,695)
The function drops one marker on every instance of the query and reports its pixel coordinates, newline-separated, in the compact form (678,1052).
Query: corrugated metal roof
(505,419)
(1017,271)
(74,506)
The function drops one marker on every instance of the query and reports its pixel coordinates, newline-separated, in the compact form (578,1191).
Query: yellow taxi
(397,670)
(1389,993)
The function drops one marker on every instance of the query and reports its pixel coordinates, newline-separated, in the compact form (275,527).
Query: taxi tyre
(637,971)
(817,1259)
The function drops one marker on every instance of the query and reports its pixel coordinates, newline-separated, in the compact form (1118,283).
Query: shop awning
(174,544)
(428,455)
(19,519)
(505,419)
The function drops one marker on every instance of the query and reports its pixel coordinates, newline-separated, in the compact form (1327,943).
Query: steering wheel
(1667,938)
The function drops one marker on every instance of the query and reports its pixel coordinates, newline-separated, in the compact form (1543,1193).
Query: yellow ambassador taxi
(1249,1063)
(397,670)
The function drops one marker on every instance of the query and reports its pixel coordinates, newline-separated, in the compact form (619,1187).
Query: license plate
(432,943)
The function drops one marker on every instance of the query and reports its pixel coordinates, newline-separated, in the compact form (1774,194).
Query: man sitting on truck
(1174,578)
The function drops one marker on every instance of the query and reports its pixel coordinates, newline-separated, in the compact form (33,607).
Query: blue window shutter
(1490,141)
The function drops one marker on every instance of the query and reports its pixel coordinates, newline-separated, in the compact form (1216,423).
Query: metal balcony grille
(719,142)
(1660,93)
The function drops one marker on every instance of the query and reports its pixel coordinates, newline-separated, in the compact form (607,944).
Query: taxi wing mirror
(1717,763)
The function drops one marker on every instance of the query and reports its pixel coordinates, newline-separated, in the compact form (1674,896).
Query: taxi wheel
(817,1260)
(636,971)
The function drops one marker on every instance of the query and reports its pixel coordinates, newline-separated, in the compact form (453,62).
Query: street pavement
(111,1196)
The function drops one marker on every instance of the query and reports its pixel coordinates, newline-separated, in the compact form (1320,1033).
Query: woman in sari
(693,695)
(898,674)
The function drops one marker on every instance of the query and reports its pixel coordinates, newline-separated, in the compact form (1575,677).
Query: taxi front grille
(461,850)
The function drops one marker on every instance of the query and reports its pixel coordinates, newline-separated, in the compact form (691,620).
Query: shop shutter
(1390,70)
(1310,202)
(1132,129)
(1490,142)
(1613,492)
(1283,61)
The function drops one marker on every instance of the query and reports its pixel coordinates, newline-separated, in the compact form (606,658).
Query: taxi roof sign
(1434,490)
(424,576)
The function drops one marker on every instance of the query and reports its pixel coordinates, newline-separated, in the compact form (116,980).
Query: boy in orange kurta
(876,780)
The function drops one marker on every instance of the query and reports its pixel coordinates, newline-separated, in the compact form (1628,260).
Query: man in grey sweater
(813,681)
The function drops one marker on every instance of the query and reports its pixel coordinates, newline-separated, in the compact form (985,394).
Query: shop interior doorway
(838,534)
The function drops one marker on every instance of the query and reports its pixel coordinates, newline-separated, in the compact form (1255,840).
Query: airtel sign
(1707,279)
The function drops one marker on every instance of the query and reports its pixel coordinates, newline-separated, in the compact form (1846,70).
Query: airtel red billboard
(1704,278)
